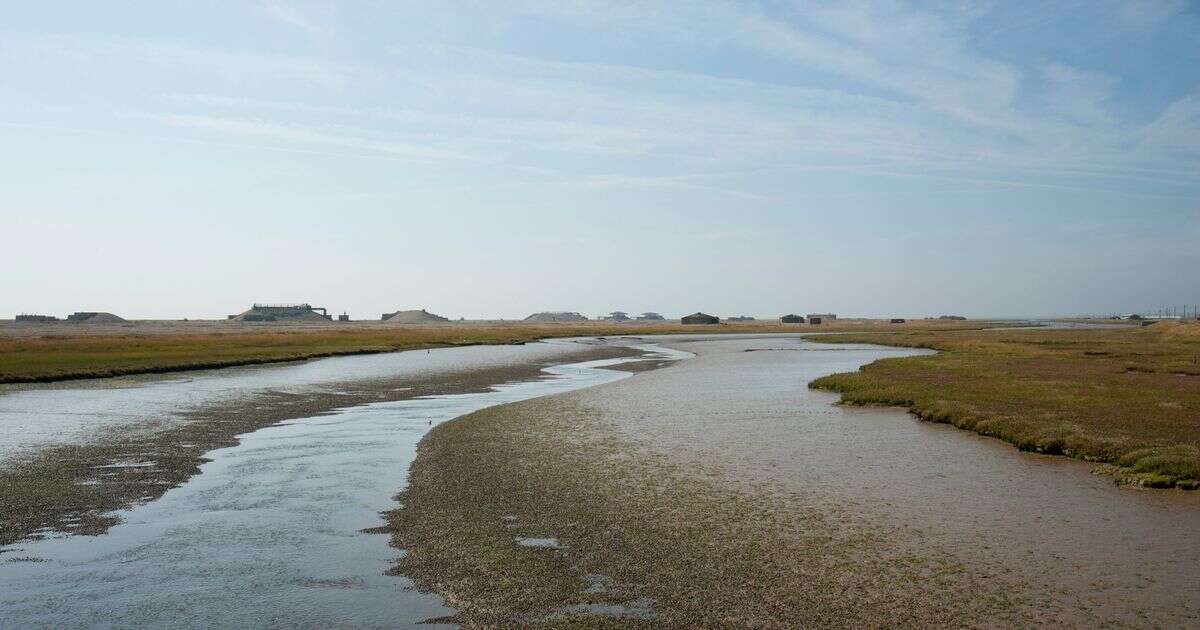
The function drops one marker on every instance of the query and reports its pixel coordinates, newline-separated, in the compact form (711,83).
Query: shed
(699,318)
(792,319)
(897,320)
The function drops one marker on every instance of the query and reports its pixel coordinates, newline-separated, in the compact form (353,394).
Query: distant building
(739,318)
(650,316)
(36,318)
(617,316)
(897,320)
(344,317)
(814,320)
(821,317)
(700,318)
(792,319)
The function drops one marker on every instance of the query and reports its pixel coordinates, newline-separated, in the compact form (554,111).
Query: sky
(490,159)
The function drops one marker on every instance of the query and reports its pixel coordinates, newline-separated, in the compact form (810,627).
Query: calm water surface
(38,416)
(269,534)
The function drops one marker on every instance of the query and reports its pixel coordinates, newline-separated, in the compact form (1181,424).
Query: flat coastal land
(1127,397)
(722,491)
(58,351)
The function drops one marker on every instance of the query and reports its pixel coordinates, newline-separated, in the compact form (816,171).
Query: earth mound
(413,317)
(565,316)
(92,317)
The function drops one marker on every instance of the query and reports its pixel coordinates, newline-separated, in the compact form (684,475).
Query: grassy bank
(645,543)
(1129,398)
(58,352)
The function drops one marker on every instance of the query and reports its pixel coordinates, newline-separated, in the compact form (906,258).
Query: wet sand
(862,501)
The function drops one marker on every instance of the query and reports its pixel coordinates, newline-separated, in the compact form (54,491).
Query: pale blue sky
(485,159)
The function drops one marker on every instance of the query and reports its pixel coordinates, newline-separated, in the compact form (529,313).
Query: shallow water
(269,534)
(1101,551)
(39,416)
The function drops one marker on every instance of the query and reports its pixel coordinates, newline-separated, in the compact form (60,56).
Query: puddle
(126,464)
(597,583)
(270,533)
(540,543)
(642,608)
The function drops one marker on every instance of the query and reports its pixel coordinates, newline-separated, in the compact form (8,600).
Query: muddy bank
(74,487)
(723,491)
(536,514)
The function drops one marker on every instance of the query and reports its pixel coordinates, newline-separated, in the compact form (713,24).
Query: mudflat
(722,490)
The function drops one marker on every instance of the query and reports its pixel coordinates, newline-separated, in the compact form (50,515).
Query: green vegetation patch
(1119,396)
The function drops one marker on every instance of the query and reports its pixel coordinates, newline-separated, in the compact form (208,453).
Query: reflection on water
(268,535)
(66,413)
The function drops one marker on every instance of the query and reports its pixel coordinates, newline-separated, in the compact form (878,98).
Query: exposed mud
(727,492)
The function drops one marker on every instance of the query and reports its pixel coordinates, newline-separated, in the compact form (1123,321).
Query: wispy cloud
(417,152)
(291,16)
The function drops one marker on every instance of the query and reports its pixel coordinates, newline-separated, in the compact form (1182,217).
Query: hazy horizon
(994,159)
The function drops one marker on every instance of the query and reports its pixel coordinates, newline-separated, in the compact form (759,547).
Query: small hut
(651,316)
(792,319)
(897,320)
(700,318)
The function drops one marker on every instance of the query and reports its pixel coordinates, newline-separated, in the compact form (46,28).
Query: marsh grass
(1125,397)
